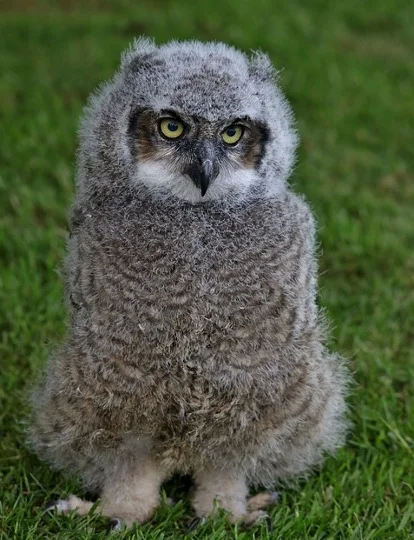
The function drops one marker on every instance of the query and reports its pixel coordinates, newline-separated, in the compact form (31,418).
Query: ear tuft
(260,68)
(138,54)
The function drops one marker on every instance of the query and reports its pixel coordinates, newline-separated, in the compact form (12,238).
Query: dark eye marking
(255,144)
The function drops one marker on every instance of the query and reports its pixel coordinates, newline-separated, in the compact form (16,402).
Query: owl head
(192,121)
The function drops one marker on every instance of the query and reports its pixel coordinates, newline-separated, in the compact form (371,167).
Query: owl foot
(255,509)
(131,494)
(121,515)
(216,489)
(72,503)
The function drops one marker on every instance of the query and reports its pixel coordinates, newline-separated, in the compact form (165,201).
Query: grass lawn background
(348,70)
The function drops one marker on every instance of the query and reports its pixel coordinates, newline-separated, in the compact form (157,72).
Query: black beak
(206,175)
(204,168)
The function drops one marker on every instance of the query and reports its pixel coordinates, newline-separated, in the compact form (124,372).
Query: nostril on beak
(207,167)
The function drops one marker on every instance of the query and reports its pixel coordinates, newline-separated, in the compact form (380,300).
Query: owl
(194,344)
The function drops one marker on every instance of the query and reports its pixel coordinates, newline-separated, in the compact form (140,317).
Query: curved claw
(116,524)
(50,505)
(269,524)
(194,523)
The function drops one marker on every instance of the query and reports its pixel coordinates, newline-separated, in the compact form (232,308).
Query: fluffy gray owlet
(195,344)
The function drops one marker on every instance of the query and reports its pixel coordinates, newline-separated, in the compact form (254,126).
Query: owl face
(194,158)
(195,121)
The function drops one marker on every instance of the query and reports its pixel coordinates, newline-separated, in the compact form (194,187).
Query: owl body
(195,342)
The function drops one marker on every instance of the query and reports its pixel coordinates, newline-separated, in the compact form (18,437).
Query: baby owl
(195,345)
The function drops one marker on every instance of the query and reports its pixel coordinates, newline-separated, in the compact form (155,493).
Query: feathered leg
(130,494)
(217,489)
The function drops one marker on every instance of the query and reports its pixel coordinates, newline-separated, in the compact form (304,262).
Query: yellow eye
(171,128)
(232,134)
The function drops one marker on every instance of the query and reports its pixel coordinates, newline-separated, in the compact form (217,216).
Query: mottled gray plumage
(195,344)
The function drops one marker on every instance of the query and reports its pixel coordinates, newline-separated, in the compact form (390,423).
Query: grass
(348,70)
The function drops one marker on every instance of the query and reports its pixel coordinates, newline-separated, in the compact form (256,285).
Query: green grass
(348,69)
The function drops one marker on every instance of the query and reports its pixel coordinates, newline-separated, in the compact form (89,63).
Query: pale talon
(61,506)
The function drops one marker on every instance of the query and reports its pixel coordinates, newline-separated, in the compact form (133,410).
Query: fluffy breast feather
(192,314)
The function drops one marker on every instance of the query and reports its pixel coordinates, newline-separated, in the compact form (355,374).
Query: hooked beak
(204,168)
(206,175)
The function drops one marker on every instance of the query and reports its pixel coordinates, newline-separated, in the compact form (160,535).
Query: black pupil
(172,126)
(231,131)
